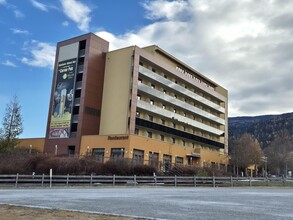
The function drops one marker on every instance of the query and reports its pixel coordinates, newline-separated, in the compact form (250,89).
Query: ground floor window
(138,156)
(153,159)
(167,162)
(98,154)
(71,150)
(179,160)
(117,153)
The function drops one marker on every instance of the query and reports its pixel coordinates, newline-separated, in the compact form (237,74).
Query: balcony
(76,101)
(78,85)
(165,82)
(180,104)
(82,53)
(80,68)
(74,119)
(174,116)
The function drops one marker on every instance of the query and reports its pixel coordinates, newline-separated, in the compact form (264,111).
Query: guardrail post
(214,181)
(113,179)
(16,180)
(43,178)
(134,180)
(51,174)
(175,181)
(250,184)
(67,179)
(155,179)
(231,181)
(194,181)
(91,181)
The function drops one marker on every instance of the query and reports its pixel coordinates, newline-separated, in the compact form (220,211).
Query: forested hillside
(264,128)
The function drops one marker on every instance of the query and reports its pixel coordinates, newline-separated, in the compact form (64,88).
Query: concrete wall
(116,94)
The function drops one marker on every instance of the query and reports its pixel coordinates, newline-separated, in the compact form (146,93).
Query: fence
(93,180)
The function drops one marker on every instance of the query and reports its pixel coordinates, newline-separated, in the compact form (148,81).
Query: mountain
(264,128)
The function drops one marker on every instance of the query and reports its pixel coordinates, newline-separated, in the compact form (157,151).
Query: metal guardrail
(97,180)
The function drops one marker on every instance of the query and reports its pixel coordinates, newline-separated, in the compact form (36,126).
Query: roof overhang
(194,155)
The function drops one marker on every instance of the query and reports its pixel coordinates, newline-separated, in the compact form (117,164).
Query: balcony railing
(179,103)
(148,73)
(174,116)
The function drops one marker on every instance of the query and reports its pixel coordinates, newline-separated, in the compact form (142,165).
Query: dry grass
(8,212)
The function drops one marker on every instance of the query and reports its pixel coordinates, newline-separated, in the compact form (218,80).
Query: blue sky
(245,46)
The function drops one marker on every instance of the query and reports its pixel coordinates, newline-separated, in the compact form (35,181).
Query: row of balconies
(179,89)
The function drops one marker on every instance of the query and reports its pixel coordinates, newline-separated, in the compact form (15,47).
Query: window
(153,70)
(138,156)
(139,80)
(71,150)
(150,117)
(152,102)
(165,76)
(184,114)
(137,114)
(98,154)
(183,142)
(174,125)
(162,121)
(141,63)
(176,81)
(164,91)
(179,160)
(174,110)
(164,106)
(173,140)
(138,97)
(136,131)
(153,159)
(117,153)
(162,137)
(175,96)
(150,134)
(153,86)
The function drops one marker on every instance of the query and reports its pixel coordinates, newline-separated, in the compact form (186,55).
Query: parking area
(162,203)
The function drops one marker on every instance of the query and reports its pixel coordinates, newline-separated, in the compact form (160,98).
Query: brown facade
(88,91)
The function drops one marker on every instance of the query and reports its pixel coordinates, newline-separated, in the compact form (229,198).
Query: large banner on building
(63,99)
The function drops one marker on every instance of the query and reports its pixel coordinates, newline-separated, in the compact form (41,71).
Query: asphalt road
(163,203)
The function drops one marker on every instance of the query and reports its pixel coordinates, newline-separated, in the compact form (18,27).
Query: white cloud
(19,31)
(161,9)
(3,2)
(18,13)
(9,63)
(41,54)
(245,46)
(65,23)
(77,12)
(39,5)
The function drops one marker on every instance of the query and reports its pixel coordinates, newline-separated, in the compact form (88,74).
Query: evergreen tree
(12,126)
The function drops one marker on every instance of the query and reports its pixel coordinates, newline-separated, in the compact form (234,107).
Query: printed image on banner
(63,100)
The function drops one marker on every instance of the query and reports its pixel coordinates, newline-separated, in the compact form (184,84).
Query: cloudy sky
(245,46)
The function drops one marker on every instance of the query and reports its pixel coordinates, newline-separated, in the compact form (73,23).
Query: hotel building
(137,103)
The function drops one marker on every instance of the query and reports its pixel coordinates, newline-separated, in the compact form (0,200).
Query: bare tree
(279,153)
(245,152)
(12,125)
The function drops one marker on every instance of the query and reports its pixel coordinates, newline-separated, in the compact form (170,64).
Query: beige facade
(33,143)
(143,148)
